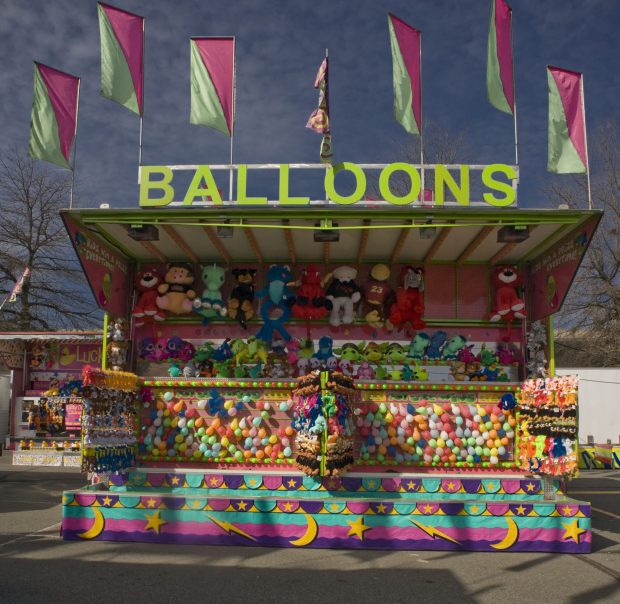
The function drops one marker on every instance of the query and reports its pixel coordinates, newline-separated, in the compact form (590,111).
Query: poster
(73,417)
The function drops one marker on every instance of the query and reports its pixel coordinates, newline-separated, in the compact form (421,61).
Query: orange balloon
(490,443)
(198,422)
(260,454)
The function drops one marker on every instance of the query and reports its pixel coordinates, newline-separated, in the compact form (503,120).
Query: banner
(19,285)
(500,80)
(319,118)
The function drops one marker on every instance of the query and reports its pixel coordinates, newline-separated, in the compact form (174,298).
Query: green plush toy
(211,303)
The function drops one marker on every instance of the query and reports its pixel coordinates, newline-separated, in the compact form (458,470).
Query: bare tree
(590,317)
(33,236)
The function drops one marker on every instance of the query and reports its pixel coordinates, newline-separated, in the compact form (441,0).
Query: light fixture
(428,232)
(224,231)
(143,232)
(513,234)
(324,233)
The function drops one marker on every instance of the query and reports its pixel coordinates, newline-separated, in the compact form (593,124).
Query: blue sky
(279,47)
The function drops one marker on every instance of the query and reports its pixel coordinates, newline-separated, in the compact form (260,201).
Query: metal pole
(514,91)
(585,138)
(77,107)
(142,108)
(421,128)
(232,125)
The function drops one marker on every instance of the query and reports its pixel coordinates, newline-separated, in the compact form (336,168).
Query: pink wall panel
(440,297)
(473,292)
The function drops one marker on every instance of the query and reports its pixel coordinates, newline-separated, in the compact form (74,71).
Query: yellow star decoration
(213,481)
(572,530)
(372,484)
(530,486)
(490,486)
(154,522)
(242,505)
(450,486)
(474,509)
(567,510)
(291,483)
(288,506)
(106,501)
(428,509)
(381,508)
(411,485)
(175,480)
(520,510)
(335,507)
(151,503)
(357,528)
(197,503)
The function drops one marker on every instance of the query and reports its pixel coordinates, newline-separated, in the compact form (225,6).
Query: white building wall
(599,402)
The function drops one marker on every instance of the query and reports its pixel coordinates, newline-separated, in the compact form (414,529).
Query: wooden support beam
(398,247)
(249,233)
(290,243)
(217,244)
(361,250)
(326,252)
(474,244)
(180,242)
(504,251)
(153,251)
(439,239)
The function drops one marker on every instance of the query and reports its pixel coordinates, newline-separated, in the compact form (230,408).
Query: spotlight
(513,234)
(143,232)
(428,231)
(325,234)
(224,231)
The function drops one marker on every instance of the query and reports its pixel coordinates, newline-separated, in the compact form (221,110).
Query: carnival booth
(368,375)
(44,393)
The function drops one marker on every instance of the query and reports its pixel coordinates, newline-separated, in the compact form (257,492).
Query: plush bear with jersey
(241,301)
(176,293)
(508,305)
(377,295)
(146,308)
(343,293)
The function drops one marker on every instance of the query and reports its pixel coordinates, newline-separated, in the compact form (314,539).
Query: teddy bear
(377,295)
(145,307)
(310,302)
(343,293)
(508,305)
(241,301)
(176,293)
(211,303)
(409,304)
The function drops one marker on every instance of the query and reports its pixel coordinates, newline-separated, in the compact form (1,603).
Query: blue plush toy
(277,297)
(438,339)
(325,349)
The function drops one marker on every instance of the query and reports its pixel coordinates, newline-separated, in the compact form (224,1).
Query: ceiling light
(325,234)
(513,234)
(143,232)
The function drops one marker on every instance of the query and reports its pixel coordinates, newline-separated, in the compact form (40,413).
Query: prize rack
(439,443)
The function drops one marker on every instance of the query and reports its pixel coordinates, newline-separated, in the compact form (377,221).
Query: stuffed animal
(176,293)
(394,354)
(241,301)
(325,348)
(279,298)
(351,351)
(508,305)
(418,346)
(145,307)
(452,348)
(373,353)
(310,302)
(211,303)
(343,293)
(437,341)
(409,304)
(377,295)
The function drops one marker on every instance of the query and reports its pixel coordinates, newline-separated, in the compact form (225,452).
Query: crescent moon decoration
(511,536)
(97,527)
(309,536)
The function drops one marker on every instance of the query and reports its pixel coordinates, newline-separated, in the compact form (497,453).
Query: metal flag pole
(77,108)
(585,139)
(142,108)
(514,101)
(232,123)
(421,127)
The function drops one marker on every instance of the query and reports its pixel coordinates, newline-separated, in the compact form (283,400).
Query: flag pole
(77,109)
(421,126)
(142,108)
(585,138)
(232,121)
(514,103)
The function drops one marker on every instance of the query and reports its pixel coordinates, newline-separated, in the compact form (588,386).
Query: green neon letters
(157,189)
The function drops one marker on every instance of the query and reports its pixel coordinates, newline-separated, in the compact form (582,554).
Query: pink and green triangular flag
(54,115)
(567,128)
(319,118)
(500,82)
(212,68)
(406,42)
(122,56)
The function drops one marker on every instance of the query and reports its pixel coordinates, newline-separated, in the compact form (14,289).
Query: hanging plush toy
(241,301)
(176,294)
(377,295)
(211,303)
(409,305)
(508,305)
(343,293)
(311,302)
(278,299)
(146,308)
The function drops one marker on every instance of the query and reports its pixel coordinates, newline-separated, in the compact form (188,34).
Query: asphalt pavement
(37,566)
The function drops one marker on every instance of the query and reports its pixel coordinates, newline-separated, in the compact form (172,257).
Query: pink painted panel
(440,296)
(473,292)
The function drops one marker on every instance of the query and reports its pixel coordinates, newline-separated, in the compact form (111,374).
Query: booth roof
(69,337)
(367,234)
